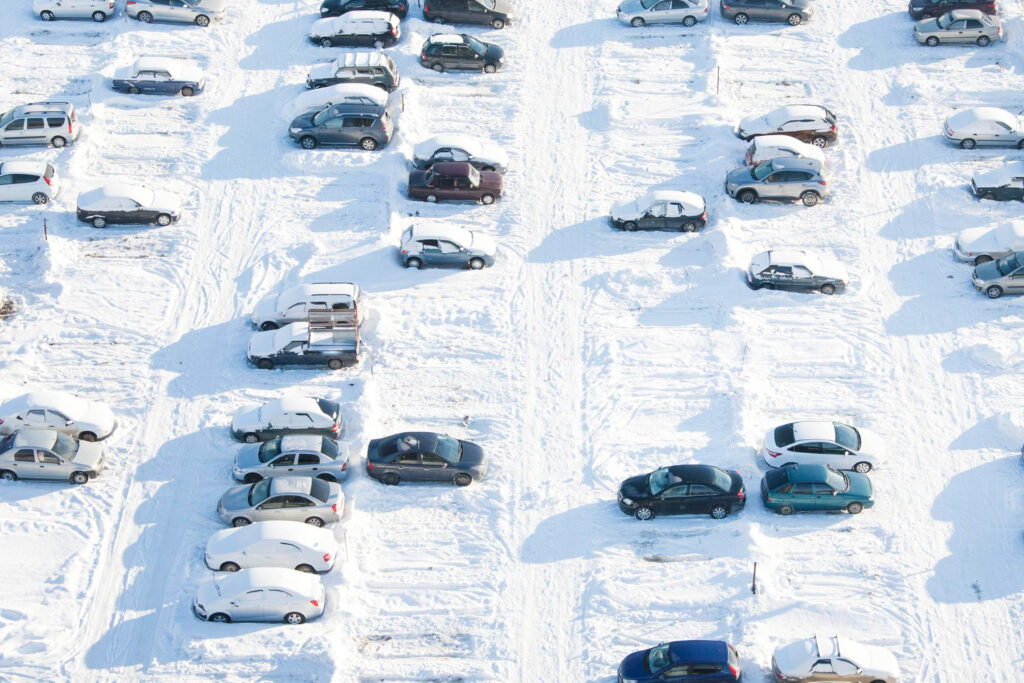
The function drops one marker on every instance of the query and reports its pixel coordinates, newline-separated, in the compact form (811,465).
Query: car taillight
(51,185)
(394,31)
(405,251)
(315,603)
(334,507)
(369,465)
(334,429)
(131,2)
(344,466)
(823,182)
(1,421)
(426,8)
(423,57)
(773,453)
(768,499)
(327,557)
(734,671)
(833,129)
(741,495)
(704,216)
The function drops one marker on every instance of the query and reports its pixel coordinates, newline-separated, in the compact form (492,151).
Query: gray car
(296,499)
(637,13)
(343,124)
(742,11)
(779,179)
(446,247)
(48,454)
(305,455)
(959,26)
(1005,276)
(198,12)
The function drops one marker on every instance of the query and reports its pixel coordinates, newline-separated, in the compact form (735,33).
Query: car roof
(470,143)
(796,163)
(58,400)
(99,195)
(967,14)
(792,257)
(681,196)
(301,442)
(973,114)
(25,166)
(364,14)
(274,530)
(361,58)
(41,107)
(322,289)
(440,231)
(35,438)
(446,38)
(1006,172)
(699,651)
(295,404)
(163,63)
(794,111)
(806,473)
(817,430)
(453,167)
(232,583)
(694,474)
(282,485)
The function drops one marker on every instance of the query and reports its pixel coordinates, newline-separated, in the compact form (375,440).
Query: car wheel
(989,195)
(240,521)
(994,292)
(719,512)
(810,198)
(145,17)
(439,68)
(463,479)
(219,618)
(305,568)
(132,90)
(476,263)
(187,91)
(828,289)
(369,144)
(87,436)
(644,513)
(931,41)
(326,42)
(202,20)
(438,20)
(431,198)
(252,478)
(58,142)
(982,259)
(629,226)
(637,22)
(741,19)
(498,24)
(819,141)
(229,567)
(314,521)
(689,226)
(489,169)
(794,19)
(490,68)
(268,325)
(968,143)
(487,199)
(250,438)
(40,198)
(1020,145)
(163,220)
(46,15)
(7,475)
(294,618)
(747,196)
(308,142)
(755,285)
(689,21)
(983,41)
(334,364)
(854,508)
(326,477)
(414,263)
(378,44)
(390,478)
(862,467)
(99,17)
(786,510)
(265,364)
(79,478)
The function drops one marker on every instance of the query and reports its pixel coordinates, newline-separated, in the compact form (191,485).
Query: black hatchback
(683,490)
(493,13)
(926,9)
(454,51)
(424,456)
(335,8)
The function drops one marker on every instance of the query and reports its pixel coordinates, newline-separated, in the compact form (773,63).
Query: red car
(926,9)
(455,180)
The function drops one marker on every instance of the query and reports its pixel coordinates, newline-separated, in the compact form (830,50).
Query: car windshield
(428,178)
(449,449)
(847,437)
(489,4)
(657,658)
(784,435)
(328,447)
(722,480)
(761,170)
(474,176)
(837,480)
(1008,264)
(64,446)
(259,491)
(476,46)
(270,450)
(323,116)
(661,480)
(945,20)
(648,4)
(8,115)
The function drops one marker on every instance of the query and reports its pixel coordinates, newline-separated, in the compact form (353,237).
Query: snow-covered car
(300,455)
(963,26)
(288,545)
(984,126)
(97,10)
(261,594)
(1003,184)
(296,499)
(28,181)
(446,246)
(198,12)
(132,204)
(294,304)
(287,415)
(59,411)
(980,245)
(319,343)
(834,659)
(1005,276)
(637,13)
(796,270)
(358,28)
(48,454)
(806,122)
(352,95)
(160,76)
(661,210)
(482,154)
(356,66)
(767,147)
(819,442)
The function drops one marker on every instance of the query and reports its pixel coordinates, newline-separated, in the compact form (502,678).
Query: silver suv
(40,123)
(780,179)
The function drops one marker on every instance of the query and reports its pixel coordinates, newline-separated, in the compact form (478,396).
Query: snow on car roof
(969,116)
(1000,176)
(426,148)
(446,38)
(35,438)
(232,583)
(301,442)
(440,231)
(817,430)
(58,400)
(300,292)
(171,64)
(279,485)
(1012,232)
(295,404)
(29,166)
(691,199)
(792,257)
(102,197)
(361,58)
(796,111)
(237,538)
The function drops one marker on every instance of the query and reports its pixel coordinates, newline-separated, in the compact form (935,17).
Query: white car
(288,545)
(765,147)
(980,245)
(819,442)
(808,122)
(83,419)
(287,415)
(343,93)
(834,659)
(661,210)
(97,10)
(293,304)
(28,181)
(262,594)
(987,126)
(483,154)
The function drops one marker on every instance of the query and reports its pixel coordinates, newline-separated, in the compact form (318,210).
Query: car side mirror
(234,603)
(69,423)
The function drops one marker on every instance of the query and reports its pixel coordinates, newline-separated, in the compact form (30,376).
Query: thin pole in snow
(45,237)
(753,584)
(718,79)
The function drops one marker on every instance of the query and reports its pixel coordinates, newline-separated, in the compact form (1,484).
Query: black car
(335,8)
(683,661)
(1004,184)
(451,51)
(493,13)
(683,490)
(926,9)
(797,271)
(424,456)
(125,203)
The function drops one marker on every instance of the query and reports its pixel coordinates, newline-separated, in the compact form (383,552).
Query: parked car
(959,26)
(922,9)
(683,661)
(198,12)
(57,411)
(161,76)
(494,13)
(446,246)
(637,13)
(300,455)
(661,210)
(335,8)
(779,179)
(460,52)
(834,659)
(97,10)
(263,594)
(796,270)
(124,203)
(981,245)
(40,123)
(322,341)
(988,126)
(1005,276)
(683,490)
(768,147)
(350,98)
(357,67)
(424,456)
(28,181)
(794,12)
(482,154)
(343,124)
(49,454)
(806,122)
(365,27)
(815,488)
(820,442)
(287,415)
(297,499)
(1002,184)
(287,545)
(294,304)
(455,180)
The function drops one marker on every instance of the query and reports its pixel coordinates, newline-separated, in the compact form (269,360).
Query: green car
(815,487)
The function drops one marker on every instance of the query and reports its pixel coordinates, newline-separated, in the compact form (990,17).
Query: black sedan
(161,76)
(683,490)
(335,8)
(424,456)
(1006,183)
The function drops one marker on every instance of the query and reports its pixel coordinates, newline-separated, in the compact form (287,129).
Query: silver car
(988,126)
(261,594)
(97,10)
(959,26)
(779,179)
(298,499)
(199,12)
(46,454)
(1005,276)
(301,454)
(639,13)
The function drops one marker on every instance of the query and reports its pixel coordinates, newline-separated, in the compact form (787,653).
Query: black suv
(493,13)
(335,8)
(926,9)
(444,51)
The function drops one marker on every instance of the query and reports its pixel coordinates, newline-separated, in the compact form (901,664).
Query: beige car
(46,454)
(963,26)
(1005,276)
(834,659)
(198,12)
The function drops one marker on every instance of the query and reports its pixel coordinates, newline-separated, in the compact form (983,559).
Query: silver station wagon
(47,454)
(300,454)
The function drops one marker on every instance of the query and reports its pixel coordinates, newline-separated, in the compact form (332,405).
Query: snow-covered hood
(753,125)
(979,239)
(263,343)
(927,26)
(246,418)
(324,70)
(996,178)
(89,455)
(484,244)
(830,267)
(99,415)
(249,456)
(236,498)
(166,201)
(626,210)
(265,309)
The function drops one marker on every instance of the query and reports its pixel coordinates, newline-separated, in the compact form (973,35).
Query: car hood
(860,485)
(484,244)
(633,666)
(212,5)
(207,594)
(236,498)
(503,7)
(631,6)
(752,125)
(246,418)
(995,178)
(325,70)
(248,457)
(626,210)
(472,454)
(265,308)
(417,179)
(98,415)
(304,120)
(89,454)
(262,343)
(490,180)
(988,271)
(740,175)
(832,268)
(978,239)
(927,26)
(635,487)
(165,201)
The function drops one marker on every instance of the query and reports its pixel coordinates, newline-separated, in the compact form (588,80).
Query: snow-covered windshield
(945,20)
(658,658)
(449,449)
(838,481)
(661,480)
(259,492)
(323,116)
(476,46)
(762,170)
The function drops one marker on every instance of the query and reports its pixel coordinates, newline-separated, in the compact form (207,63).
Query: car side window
(48,458)
(675,492)
(663,5)
(845,667)
(958,25)
(446,183)
(807,447)
(278,594)
(823,490)
(474,6)
(973,23)
(783,271)
(829,448)
(56,122)
(674,210)
(449,247)
(697,669)
(284,460)
(432,460)
(55,418)
(429,245)
(701,490)
(1017,274)
(25,455)
(777,177)
(679,4)
(801,490)
(308,459)
(297,502)
(450,51)
(6,179)
(409,459)
(274,503)
(822,666)
(657,210)
(33,124)
(801,272)
(22,178)
(16,125)
(253,595)
(459,154)
(292,347)
(681,670)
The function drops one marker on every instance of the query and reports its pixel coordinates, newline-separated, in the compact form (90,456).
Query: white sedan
(59,411)
(988,126)
(815,442)
(981,245)
(263,594)
(288,545)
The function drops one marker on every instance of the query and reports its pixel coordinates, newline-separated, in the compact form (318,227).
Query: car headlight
(627,501)
(629,680)
(294,130)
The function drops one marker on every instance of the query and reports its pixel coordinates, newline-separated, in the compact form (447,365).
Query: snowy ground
(583,357)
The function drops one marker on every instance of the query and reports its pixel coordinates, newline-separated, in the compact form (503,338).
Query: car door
(954,33)
(468,59)
(248,606)
(803,278)
(671,501)
(353,127)
(34,419)
(999,134)
(137,213)
(801,496)
(51,465)
(973,29)
(179,10)
(14,132)
(35,131)
(332,131)
(445,188)
(774,185)
(407,466)
(806,453)
(281,465)
(1012,190)
(164,83)
(836,456)
(774,10)
(24,464)
(826,498)
(473,12)
(160,9)
(662,13)
(270,509)
(755,9)
(307,464)
(144,81)
(59,421)
(434,468)
(301,423)
(278,603)
(653,218)
(298,507)
(783,277)
(8,189)
(1015,281)
(429,252)
(674,215)
(451,253)
(699,499)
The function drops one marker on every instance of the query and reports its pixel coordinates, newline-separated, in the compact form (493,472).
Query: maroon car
(926,9)
(454,180)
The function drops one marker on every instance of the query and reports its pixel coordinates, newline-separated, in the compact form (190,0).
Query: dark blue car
(692,661)
(161,76)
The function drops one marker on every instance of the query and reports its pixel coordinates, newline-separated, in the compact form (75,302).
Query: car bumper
(201,614)
(623,18)
(921,37)
(978,284)
(962,256)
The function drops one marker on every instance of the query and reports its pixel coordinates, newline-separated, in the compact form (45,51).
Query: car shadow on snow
(287,39)
(934,214)
(596,237)
(14,492)
(909,155)
(381,271)
(995,431)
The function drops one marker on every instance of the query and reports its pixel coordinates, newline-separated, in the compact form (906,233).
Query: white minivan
(97,10)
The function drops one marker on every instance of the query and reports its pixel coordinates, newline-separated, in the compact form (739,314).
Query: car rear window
(847,437)
(49,172)
(784,435)
(320,489)
(55,122)
(328,407)
(329,448)
(722,479)
(775,478)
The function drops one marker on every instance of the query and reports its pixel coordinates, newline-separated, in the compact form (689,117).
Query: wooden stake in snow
(753,584)
(45,237)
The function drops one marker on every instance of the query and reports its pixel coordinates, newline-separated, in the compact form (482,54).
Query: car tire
(689,226)
(931,41)
(314,521)
(819,141)
(7,475)
(489,169)
(220,618)
(79,478)
(432,198)
(1020,144)
(368,144)
(994,292)
(741,19)
(490,68)
(414,263)
(229,567)
(862,467)
(476,263)
(487,199)
(390,479)
(968,143)
(637,22)
(132,90)
(163,220)
(755,285)
(265,364)
(498,24)
(378,45)
(718,512)
(40,198)
(439,68)
(252,478)
(326,42)
(202,20)
(46,15)
(855,508)
(984,41)
(240,521)
(187,91)
(785,510)
(643,513)
(990,195)
(794,19)
(810,198)
(145,17)
(59,142)
(689,22)
(308,142)
(747,197)
(294,618)
(334,364)
(268,325)
(982,259)
(629,226)
(87,436)
(326,477)
(250,438)
(305,568)
(828,289)
(463,479)
(438,20)
(99,17)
